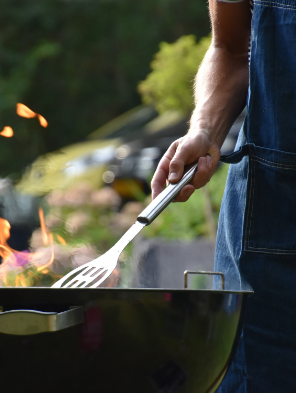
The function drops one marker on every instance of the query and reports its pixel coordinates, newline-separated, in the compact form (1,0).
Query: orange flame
(20,263)
(46,238)
(112,280)
(16,258)
(43,227)
(42,121)
(40,268)
(24,111)
(61,240)
(5,250)
(7,132)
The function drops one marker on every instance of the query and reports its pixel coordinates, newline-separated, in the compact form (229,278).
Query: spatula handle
(165,197)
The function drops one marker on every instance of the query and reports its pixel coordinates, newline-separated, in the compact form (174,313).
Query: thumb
(182,157)
(176,169)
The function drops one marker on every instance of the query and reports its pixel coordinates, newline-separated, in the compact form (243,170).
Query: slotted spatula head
(92,274)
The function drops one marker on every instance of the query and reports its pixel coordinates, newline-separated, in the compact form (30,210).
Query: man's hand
(192,147)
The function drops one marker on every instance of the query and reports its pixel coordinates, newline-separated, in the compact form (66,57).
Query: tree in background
(78,64)
(169,85)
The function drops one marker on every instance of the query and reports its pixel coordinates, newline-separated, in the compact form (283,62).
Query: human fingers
(204,175)
(185,193)
(185,151)
(206,167)
(189,150)
(162,171)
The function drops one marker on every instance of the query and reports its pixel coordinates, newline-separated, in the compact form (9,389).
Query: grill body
(131,340)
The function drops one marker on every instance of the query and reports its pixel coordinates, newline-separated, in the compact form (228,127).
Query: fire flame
(7,132)
(42,121)
(113,279)
(5,250)
(61,240)
(43,227)
(24,111)
(27,267)
(21,259)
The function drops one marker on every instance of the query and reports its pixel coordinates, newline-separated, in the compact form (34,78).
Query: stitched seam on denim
(250,204)
(273,164)
(273,2)
(275,5)
(253,193)
(269,251)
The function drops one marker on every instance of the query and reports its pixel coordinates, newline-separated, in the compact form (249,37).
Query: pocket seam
(251,199)
(269,250)
(270,4)
(275,165)
(250,207)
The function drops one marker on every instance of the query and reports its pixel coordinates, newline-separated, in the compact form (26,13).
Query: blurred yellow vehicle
(63,169)
(85,161)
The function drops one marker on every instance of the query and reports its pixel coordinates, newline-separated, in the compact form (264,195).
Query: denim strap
(237,156)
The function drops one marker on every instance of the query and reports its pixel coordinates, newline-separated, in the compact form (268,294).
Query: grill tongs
(93,273)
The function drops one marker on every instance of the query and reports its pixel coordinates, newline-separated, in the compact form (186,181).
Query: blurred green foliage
(83,215)
(28,277)
(78,63)
(200,281)
(170,84)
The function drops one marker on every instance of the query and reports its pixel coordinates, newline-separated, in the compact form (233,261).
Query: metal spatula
(93,273)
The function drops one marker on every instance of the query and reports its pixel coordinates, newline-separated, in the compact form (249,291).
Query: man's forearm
(220,95)
(220,92)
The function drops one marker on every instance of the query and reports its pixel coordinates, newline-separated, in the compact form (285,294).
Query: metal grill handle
(203,272)
(27,322)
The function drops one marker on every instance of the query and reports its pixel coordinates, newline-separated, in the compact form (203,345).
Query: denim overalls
(256,242)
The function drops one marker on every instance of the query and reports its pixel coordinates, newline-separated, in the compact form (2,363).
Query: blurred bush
(86,216)
(170,84)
